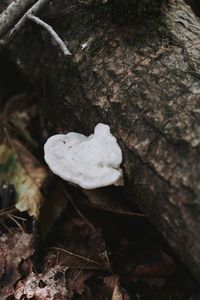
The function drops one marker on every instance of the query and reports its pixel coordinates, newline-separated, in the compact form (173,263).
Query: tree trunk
(139,73)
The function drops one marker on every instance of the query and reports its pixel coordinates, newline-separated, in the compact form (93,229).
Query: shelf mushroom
(90,162)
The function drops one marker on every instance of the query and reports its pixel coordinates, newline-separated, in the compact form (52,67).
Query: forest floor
(60,243)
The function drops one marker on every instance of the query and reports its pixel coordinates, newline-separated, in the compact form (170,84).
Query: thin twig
(8,38)
(18,218)
(9,140)
(12,13)
(15,221)
(50,30)
(5,226)
(6,211)
(88,260)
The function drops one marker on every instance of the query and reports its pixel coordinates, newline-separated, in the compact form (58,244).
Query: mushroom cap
(89,162)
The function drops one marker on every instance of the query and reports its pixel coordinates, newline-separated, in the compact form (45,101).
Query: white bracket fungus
(89,162)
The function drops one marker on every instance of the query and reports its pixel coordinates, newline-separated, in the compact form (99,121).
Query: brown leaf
(48,209)
(33,167)
(112,282)
(117,295)
(15,247)
(50,285)
(32,198)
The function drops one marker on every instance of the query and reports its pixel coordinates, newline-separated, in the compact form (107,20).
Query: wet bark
(138,72)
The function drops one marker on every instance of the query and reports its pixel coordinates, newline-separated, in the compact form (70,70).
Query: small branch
(50,30)
(20,24)
(12,13)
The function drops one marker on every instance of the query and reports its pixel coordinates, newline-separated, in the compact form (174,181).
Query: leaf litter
(15,247)
(44,286)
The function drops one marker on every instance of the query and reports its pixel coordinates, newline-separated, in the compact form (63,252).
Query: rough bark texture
(140,75)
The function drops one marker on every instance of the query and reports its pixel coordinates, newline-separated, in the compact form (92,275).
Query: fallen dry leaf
(29,178)
(112,283)
(44,286)
(117,295)
(33,167)
(48,207)
(26,181)
(15,247)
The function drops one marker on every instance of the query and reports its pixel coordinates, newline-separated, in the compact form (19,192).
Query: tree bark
(139,73)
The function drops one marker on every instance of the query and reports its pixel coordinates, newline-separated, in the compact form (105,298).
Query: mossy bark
(139,73)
